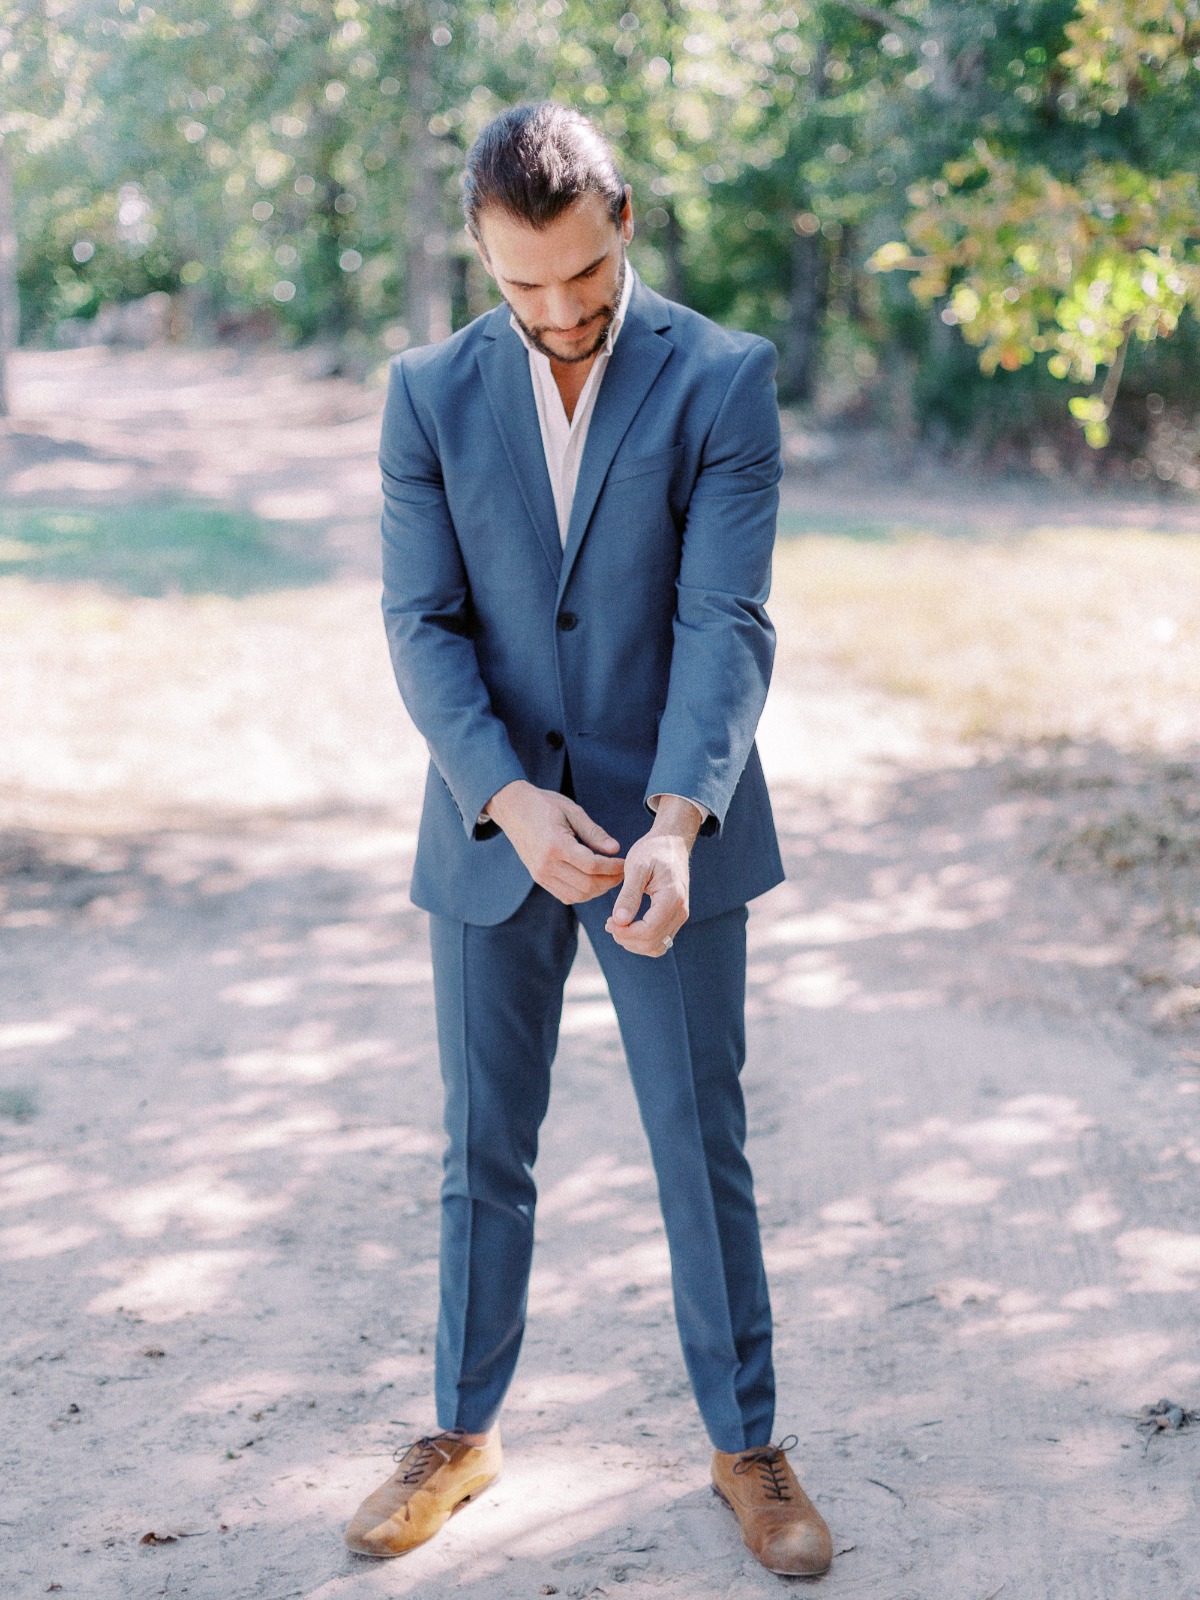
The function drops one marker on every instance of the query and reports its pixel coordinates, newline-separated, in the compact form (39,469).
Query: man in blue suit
(580,498)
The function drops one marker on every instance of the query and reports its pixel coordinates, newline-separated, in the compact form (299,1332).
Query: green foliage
(1072,264)
(1032,162)
(1121,47)
(1033,264)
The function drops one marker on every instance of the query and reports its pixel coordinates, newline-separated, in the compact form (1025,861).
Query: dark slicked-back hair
(533,161)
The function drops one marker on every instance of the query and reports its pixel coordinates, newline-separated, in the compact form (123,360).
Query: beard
(604,319)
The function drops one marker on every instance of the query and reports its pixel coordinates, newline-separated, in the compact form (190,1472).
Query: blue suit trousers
(499,995)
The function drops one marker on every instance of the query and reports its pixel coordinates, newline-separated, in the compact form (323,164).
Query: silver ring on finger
(667,943)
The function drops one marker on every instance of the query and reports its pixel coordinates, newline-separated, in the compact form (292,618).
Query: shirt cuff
(705,813)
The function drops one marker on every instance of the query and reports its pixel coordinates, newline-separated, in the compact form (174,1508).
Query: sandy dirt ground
(973,1123)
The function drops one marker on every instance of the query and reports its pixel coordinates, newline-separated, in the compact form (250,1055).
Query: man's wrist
(501,802)
(677,818)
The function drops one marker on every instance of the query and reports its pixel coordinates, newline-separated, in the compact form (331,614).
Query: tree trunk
(427,276)
(807,294)
(674,284)
(460,291)
(798,368)
(335,313)
(9,304)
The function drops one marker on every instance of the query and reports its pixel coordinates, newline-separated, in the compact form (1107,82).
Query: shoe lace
(770,1461)
(423,1456)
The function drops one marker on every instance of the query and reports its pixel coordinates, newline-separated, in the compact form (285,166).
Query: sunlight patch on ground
(306,505)
(581,1017)
(839,1302)
(209,1204)
(1018,1312)
(174,1286)
(1129,1365)
(305,1065)
(1095,1297)
(949,1183)
(815,981)
(548,1503)
(1027,1120)
(564,1389)
(385,974)
(597,1177)
(27,1185)
(794,1249)
(262,1385)
(258,992)
(1093,1213)
(1073,955)
(1160,1261)
(899,908)
(31,1240)
(31,1035)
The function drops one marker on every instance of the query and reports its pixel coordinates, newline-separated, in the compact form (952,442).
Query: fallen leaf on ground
(1165,1417)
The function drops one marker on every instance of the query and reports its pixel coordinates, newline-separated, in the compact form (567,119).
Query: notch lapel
(637,359)
(504,367)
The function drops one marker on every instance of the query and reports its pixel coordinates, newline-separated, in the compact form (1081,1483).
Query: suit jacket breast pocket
(639,466)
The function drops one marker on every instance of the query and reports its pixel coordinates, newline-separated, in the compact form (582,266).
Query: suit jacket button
(567,620)
(554,739)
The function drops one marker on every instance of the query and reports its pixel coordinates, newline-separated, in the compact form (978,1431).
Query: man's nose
(564,310)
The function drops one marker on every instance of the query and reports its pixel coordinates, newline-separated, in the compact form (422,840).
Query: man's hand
(564,850)
(658,866)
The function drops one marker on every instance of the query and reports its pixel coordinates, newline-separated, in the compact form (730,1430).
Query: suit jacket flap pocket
(635,466)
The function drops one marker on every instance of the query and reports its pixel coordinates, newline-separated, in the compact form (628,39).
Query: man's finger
(596,888)
(573,853)
(626,905)
(661,918)
(564,877)
(592,834)
(639,942)
(660,922)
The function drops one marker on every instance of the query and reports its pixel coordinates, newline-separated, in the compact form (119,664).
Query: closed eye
(586,272)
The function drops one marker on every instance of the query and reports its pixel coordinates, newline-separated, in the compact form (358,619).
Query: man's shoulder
(451,358)
(709,344)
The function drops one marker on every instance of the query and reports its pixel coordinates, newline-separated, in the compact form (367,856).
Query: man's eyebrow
(517,283)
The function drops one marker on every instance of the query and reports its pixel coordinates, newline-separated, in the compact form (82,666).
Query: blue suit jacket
(642,651)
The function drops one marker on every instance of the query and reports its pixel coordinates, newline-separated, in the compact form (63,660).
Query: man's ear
(479,250)
(627,215)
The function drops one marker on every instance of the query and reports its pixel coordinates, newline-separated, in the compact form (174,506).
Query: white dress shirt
(564,438)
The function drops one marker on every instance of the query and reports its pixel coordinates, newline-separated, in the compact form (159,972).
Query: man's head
(550,217)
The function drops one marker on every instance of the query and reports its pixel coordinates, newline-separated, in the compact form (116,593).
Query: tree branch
(1112,381)
(900,26)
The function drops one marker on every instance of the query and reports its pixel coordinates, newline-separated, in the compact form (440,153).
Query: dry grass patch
(129,710)
(1080,634)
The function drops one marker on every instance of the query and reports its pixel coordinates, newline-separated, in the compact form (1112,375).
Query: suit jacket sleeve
(724,643)
(427,614)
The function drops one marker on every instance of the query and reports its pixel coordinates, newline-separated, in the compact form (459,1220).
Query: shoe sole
(780,1572)
(394,1555)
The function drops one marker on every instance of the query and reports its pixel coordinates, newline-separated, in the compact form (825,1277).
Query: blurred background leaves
(975,222)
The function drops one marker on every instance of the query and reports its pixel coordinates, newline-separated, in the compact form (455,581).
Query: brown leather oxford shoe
(779,1523)
(436,1477)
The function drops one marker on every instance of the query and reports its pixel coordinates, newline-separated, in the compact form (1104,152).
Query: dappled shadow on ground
(975,1174)
(186,472)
